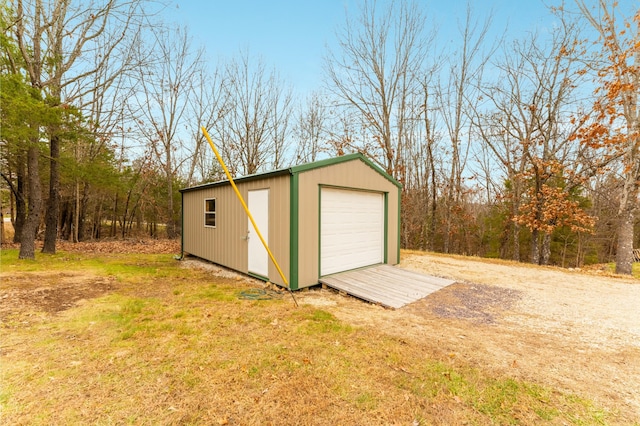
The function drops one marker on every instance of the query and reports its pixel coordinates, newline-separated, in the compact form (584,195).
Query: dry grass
(165,344)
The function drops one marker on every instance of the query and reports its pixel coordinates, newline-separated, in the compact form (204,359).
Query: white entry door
(351,229)
(258,203)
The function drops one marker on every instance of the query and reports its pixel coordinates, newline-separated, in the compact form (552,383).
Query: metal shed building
(318,219)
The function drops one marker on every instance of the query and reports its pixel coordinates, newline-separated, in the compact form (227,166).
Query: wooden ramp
(386,285)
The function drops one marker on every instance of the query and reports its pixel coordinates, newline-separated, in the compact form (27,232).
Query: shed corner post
(181,225)
(385,234)
(399,221)
(293,231)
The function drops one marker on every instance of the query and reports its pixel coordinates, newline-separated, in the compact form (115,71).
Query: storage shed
(318,219)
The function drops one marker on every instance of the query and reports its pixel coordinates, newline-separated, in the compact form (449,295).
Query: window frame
(208,213)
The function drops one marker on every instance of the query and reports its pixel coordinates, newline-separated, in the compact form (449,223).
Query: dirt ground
(53,292)
(49,292)
(576,331)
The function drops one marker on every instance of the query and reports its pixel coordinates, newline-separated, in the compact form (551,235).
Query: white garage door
(351,229)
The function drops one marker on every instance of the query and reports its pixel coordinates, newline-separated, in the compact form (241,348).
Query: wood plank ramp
(386,285)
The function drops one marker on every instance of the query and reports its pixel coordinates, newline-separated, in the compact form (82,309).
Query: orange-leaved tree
(613,123)
(551,204)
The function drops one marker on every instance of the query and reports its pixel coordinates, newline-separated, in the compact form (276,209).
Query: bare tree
(375,72)
(420,186)
(207,107)
(254,129)
(345,132)
(456,94)
(310,128)
(501,131)
(281,126)
(166,85)
(104,101)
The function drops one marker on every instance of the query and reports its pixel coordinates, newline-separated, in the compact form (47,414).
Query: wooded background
(524,149)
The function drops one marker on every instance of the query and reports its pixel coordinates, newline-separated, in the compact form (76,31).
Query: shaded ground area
(57,291)
(479,303)
(48,292)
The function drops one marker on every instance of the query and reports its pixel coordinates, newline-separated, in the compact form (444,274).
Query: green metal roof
(294,170)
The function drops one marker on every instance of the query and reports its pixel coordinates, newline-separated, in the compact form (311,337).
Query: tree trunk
(125,214)
(628,204)
(139,220)
(171,227)
(535,247)
(114,218)
(65,222)
(30,228)
(76,211)
(83,212)
(624,253)
(515,207)
(516,242)
(546,249)
(434,199)
(21,206)
(96,232)
(579,254)
(53,208)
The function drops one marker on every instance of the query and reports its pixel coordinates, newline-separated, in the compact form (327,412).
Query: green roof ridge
(342,159)
(303,168)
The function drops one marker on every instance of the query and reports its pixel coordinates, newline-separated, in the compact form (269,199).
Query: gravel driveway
(576,331)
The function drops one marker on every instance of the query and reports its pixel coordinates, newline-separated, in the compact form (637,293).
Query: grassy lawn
(170,345)
(635,269)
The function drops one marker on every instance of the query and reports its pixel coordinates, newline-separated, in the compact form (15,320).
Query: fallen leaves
(131,245)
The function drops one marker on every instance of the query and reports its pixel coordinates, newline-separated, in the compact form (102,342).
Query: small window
(210,212)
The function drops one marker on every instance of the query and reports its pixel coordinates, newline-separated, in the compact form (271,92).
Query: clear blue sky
(292,35)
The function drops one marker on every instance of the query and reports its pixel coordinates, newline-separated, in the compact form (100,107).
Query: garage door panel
(352,229)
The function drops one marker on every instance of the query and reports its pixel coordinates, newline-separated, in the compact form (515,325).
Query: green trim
(324,163)
(300,169)
(294,211)
(380,171)
(337,160)
(247,178)
(399,219)
(258,276)
(386,228)
(320,186)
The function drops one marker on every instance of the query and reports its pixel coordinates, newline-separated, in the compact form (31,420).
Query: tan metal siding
(352,174)
(225,244)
